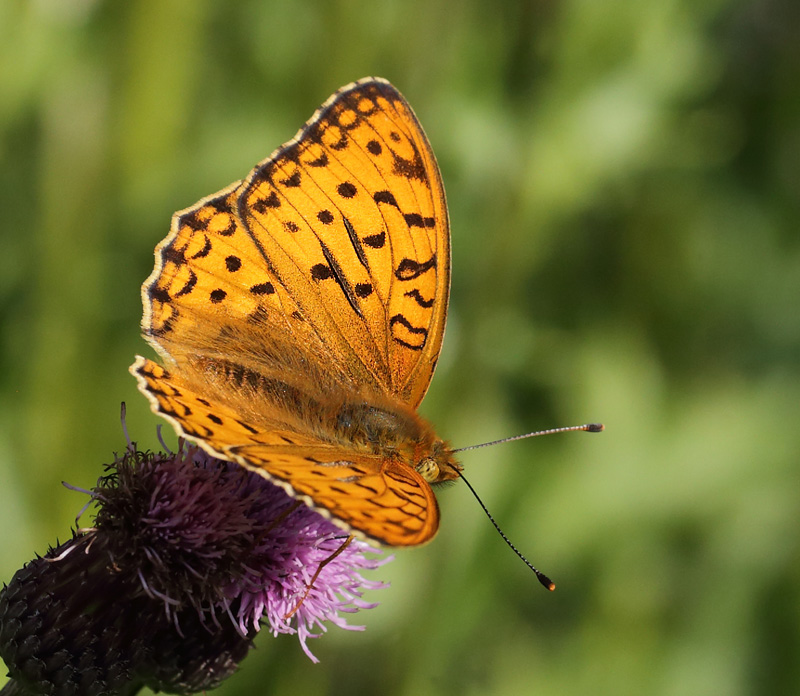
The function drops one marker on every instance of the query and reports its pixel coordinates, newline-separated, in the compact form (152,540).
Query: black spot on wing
(205,251)
(158,294)
(263,204)
(346,189)
(229,230)
(292,181)
(249,428)
(416,220)
(385,197)
(189,285)
(367,487)
(398,320)
(419,299)
(171,254)
(375,241)
(408,269)
(319,271)
(263,289)
(321,161)
(363,289)
(220,204)
(411,168)
(193,222)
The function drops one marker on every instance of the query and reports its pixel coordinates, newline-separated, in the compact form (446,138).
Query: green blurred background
(624,189)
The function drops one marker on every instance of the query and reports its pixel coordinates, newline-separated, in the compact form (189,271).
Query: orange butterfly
(300,314)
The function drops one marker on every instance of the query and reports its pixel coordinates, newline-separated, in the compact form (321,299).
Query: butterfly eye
(428,469)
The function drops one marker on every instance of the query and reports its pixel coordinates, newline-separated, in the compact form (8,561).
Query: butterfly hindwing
(387,502)
(366,495)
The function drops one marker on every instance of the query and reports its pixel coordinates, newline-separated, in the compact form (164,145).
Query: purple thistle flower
(189,555)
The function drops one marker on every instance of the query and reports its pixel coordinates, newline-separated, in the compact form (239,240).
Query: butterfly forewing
(352,218)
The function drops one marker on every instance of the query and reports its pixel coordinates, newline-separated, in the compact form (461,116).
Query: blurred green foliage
(624,189)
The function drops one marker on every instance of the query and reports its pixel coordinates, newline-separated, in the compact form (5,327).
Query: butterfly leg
(316,575)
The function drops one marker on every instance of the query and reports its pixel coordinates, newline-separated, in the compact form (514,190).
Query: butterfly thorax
(394,431)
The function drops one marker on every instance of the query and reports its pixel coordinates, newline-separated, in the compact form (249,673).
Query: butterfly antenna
(588,427)
(540,576)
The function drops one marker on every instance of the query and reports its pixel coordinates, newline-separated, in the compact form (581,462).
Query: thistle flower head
(209,533)
(188,556)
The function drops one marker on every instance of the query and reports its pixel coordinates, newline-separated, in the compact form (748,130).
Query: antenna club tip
(595,428)
(546,582)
